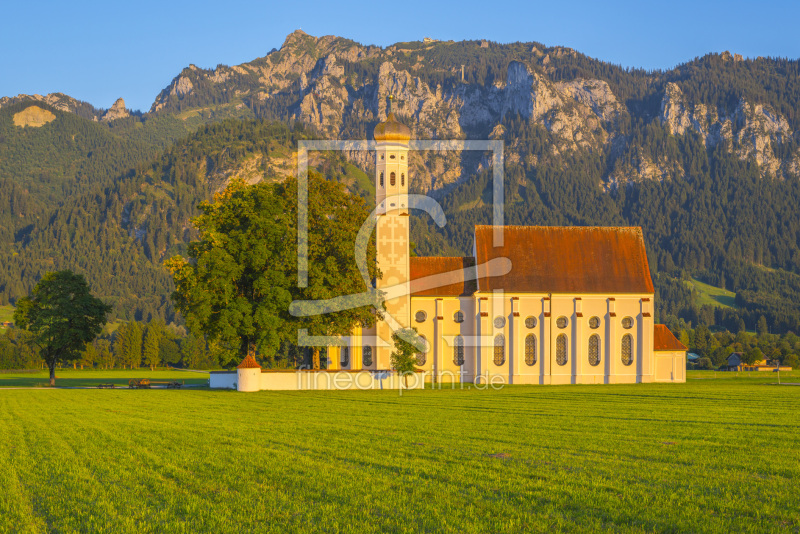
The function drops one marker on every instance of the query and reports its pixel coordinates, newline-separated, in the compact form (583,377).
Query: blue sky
(99,51)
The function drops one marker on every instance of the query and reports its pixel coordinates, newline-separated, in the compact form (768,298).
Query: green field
(712,295)
(712,455)
(6,314)
(89,378)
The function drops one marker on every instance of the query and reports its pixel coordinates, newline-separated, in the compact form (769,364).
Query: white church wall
(578,310)
(670,366)
(222,380)
(338,380)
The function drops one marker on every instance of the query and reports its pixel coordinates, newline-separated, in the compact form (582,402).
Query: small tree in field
(63,316)
(407,343)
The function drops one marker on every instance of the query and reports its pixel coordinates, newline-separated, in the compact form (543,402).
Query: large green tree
(241,276)
(62,315)
(336,291)
(233,288)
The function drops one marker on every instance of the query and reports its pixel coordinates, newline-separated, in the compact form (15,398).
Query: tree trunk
(315,358)
(52,367)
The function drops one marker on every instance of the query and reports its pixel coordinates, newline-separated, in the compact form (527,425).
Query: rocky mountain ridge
(341,88)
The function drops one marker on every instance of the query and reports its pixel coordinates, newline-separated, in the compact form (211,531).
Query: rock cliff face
(33,116)
(751,131)
(317,81)
(117,111)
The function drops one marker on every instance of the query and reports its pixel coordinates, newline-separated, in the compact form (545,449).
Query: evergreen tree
(150,349)
(761,326)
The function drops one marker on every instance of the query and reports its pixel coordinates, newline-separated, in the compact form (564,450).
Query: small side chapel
(574,305)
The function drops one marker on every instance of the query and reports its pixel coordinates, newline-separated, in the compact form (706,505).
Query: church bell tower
(392,232)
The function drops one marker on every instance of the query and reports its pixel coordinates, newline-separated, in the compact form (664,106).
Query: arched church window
(627,323)
(594,350)
(594,322)
(422,356)
(382,157)
(402,157)
(561,349)
(458,351)
(392,178)
(345,357)
(530,349)
(530,322)
(627,349)
(381,178)
(391,156)
(458,316)
(499,349)
(366,356)
(561,322)
(420,316)
(402,178)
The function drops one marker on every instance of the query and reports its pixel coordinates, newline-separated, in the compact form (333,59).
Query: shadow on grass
(725,300)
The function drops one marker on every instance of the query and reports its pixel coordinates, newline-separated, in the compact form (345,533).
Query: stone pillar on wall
(611,354)
(547,341)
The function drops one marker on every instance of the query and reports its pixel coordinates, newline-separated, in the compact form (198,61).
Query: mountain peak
(117,111)
(296,37)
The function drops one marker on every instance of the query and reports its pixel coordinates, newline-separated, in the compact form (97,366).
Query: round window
(594,322)
(627,322)
(420,316)
(530,322)
(561,322)
(458,316)
(499,321)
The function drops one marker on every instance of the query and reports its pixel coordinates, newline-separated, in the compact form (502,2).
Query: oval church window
(458,351)
(561,349)
(530,349)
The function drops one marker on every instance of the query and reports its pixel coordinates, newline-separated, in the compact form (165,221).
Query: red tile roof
(451,285)
(248,363)
(566,259)
(663,339)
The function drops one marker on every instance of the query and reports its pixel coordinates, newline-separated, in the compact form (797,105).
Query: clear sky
(99,51)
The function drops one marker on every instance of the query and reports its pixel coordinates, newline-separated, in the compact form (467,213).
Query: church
(550,305)
(531,305)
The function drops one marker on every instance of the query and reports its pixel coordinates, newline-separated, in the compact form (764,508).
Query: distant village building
(548,305)
(484,44)
(428,40)
(735,363)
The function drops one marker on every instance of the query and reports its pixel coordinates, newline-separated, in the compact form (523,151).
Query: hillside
(704,157)
(119,232)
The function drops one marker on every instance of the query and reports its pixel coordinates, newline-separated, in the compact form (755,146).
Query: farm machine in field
(146,383)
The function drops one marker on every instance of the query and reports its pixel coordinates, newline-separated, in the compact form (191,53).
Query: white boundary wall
(321,380)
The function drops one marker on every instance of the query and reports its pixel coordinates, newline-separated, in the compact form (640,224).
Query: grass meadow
(711,455)
(69,378)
